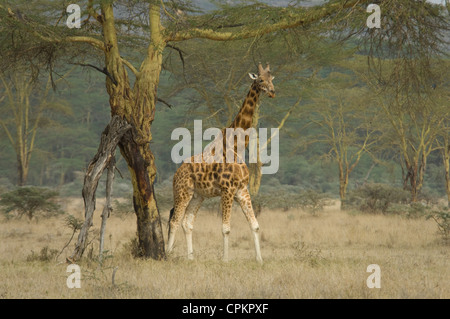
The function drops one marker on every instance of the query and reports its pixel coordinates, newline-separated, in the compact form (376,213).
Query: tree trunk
(22,170)
(343,183)
(142,169)
(21,154)
(447,181)
(255,177)
(108,207)
(105,154)
(446,159)
(421,173)
(413,183)
(412,176)
(137,106)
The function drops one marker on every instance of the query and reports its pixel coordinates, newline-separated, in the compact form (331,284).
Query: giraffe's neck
(245,116)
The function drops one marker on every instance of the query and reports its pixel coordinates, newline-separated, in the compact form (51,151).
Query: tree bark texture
(108,208)
(446,159)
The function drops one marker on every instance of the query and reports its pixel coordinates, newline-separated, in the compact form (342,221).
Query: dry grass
(305,256)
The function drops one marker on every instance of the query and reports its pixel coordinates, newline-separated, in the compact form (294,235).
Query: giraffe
(193,182)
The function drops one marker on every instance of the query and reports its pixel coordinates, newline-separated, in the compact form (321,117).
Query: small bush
(312,201)
(412,210)
(28,201)
(123,208)
(377,198)
(133,248)
(309,255)
(428,196)
(442,219)
(46,254)
(5,185)
(416,210)
(308,200)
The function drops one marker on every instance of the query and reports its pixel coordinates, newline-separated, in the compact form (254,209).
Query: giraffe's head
(264,80)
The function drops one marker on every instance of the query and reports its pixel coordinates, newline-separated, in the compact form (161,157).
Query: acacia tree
(443,135)
(109,27)
(419,127)
(24,106)
(406,59)
(445,151)
(349,126)
(414,135)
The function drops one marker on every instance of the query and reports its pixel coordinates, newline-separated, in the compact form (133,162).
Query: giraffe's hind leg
(188,222)
(182,200)
(244,200)
(226,202)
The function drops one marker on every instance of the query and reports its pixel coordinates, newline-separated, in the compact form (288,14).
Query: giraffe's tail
(170,217)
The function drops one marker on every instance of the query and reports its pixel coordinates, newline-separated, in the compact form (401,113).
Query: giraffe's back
(210,179)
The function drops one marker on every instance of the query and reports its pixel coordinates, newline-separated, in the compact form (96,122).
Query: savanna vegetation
(305,256)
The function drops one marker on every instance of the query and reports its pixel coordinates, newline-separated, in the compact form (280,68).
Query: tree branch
(180,53)
(164,102)
(104,71)
(111,136)
(305,17)
(130,66)
(93,13)
(92,41)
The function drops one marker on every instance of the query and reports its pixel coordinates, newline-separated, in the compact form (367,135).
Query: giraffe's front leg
(227,202)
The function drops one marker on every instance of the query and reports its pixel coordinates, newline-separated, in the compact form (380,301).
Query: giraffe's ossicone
(196,180)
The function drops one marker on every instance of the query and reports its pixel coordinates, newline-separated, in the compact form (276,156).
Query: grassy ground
(305,256)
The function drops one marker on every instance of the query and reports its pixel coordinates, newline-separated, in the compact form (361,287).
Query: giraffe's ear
(253,76)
